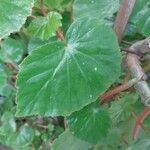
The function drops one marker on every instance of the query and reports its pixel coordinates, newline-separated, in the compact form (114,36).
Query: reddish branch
(107,96)
(60,34)
(119,27)
(139,122)
(123,17)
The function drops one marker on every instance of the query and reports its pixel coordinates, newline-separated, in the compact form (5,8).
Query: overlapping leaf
(13,15)
(140,144)
(67,141)
(45,27)
(11,50)
(9,136)
(101,9)
(141,16)
(90,124)
(62,77)
(121,109)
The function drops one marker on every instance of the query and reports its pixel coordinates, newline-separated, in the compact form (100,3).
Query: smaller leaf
(121,109)
(66,141)
(142,144)
(11,50)
(45,27)
(90,124)
(10,136)
(13,15)
(141,17)
(8,124)
(21,139)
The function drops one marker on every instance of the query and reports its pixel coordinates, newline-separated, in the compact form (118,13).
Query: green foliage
(72,143)
(80,65)
(83,122)
(123,107)
(9,135)
(11,50)
(45,27)
(9,10)
(100,9)
(57,58)
(141,17)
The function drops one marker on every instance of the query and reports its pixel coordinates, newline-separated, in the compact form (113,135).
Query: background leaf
(13,15)
(141,17)
(45,27)
(67,141)
(90,124)
(11,50)
(100,9)
(122,108)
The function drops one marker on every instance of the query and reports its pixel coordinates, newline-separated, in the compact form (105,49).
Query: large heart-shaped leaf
(141,16)
(13,14)
(90,124)
(45,27)
(62,77)
(67,141)
(101,9)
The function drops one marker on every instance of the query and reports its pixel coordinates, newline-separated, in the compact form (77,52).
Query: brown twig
(108,95)
(60,34)
(43,8)
(139,122)
(72,15)
(123,17)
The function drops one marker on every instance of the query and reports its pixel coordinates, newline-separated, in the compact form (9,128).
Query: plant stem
(123,17)
(108,95)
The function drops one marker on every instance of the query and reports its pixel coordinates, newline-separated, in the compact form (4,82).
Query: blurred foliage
(107,128)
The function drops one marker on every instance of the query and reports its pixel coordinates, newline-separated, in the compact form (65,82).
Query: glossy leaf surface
(72,74)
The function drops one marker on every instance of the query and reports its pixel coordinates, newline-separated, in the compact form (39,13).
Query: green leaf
(54,4)
(11,50)
(35,43)
(101,9)
(141,16)
(122,108)
(21,139)
(140,144)
(67,141)
(90,124)
(8,124)
(73,73)
(45,27)
(3,79)
(9,136)
(13,15)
